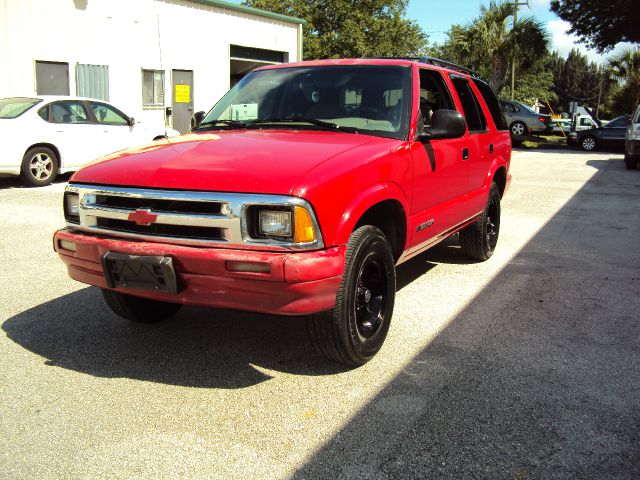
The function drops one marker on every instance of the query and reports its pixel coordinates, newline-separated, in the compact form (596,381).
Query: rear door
(74,133)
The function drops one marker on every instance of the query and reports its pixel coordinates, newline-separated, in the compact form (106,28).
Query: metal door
(52,78)
(182,99)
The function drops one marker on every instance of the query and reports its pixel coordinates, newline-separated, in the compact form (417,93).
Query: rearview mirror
(131,121)
(445,124)
(196,119)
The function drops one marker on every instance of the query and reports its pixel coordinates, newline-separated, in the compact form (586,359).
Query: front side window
(367,99)
(69,111)
(620,122)
(434,95)
(14,107)
(152,88)
(107,115)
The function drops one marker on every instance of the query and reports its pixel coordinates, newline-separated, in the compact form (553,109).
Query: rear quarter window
(493,104)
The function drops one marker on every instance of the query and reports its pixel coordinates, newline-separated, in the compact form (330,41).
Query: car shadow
(7,183)
(199,347)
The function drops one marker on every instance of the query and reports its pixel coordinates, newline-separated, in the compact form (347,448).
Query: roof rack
(443,63)
(435,61)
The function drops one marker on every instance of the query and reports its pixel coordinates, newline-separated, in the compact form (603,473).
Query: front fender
(363,202)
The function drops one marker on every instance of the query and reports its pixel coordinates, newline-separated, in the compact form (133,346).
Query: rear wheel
(39,167)
(354,331)
(479,239)
(137,309)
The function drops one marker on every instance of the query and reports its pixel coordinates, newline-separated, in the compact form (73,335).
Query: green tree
(600,24)
(576,80)
(489,43)
(345,28)
(625,69)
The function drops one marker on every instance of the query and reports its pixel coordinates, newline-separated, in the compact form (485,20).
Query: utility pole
(599,91)
(516,4)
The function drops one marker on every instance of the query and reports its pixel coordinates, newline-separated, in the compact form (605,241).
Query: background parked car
(561,125)
(611,134)
(524,120)
(43,136)
(632,141)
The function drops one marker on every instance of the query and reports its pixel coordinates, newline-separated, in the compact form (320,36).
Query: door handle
(491,148)
(465,154)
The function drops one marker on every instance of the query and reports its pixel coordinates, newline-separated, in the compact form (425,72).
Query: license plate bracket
(142,272)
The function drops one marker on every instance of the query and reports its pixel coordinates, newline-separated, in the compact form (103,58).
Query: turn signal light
(304,231)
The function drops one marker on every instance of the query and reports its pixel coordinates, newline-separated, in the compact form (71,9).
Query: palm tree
(625,68)
(489,43)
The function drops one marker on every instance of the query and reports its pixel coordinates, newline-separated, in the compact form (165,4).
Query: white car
(43,136)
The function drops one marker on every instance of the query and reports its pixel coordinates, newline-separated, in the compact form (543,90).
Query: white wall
(129,35)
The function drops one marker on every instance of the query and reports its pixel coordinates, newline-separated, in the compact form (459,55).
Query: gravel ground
(525,366)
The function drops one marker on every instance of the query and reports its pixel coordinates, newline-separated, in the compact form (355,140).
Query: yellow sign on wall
(182,93)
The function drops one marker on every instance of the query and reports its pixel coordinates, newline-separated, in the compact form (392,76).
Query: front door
(182,99)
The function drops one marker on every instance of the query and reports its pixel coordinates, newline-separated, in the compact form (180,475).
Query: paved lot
(526,366)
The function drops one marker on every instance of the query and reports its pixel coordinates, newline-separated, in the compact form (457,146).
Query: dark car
(610,134)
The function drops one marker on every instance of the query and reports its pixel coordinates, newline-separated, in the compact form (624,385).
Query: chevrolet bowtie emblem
(142,217)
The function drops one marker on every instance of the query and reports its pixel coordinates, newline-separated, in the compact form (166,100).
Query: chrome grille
(178,217)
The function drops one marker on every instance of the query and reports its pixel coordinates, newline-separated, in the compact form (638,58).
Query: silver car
(524,120)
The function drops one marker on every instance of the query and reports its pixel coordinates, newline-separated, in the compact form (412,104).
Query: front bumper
(632,148)
(294,283)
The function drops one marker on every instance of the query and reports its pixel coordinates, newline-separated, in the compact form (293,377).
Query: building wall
(129,35)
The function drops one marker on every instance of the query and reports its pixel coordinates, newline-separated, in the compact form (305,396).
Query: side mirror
(445,124)
(197,118)
(131,121)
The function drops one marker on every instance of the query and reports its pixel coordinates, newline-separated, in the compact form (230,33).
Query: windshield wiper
(227,123)
(300,119)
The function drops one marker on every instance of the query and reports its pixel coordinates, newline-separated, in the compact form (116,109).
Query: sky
(436,17)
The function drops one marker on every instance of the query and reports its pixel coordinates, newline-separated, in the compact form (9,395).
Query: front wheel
(630,163)
(479,239)
(588,143)
(137,309)
(354,331)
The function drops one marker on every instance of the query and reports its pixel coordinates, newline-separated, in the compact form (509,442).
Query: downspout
(299,43)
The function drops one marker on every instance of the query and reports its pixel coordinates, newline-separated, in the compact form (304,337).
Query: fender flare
(364,201)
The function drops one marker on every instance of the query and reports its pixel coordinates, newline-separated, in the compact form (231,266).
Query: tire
(137,309)
(629,163)
(588,143)
(354,331)
(39,167)
(479,240)
(518,128)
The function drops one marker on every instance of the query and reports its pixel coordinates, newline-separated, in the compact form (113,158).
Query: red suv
(297,194)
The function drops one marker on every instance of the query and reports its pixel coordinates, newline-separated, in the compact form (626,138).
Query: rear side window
(69,112)
(472,111)
(493,104)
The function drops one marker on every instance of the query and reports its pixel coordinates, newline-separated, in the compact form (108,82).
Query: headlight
(573,135)
(274,223)
(72,207)
(291,224)
(635,133)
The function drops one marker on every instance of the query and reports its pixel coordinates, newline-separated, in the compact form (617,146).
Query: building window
(52,78)
(92,81)
(152,88)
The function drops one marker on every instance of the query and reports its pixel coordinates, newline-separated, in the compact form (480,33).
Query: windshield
(14,107)
(360,99)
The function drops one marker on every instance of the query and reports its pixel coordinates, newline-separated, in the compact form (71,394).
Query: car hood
(264,161)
